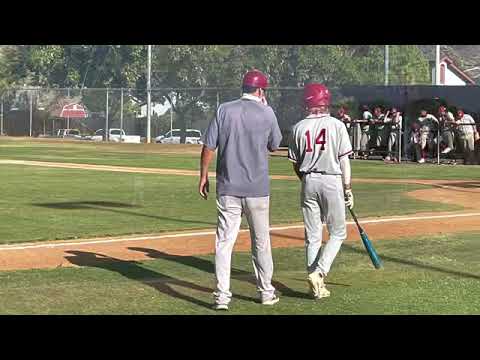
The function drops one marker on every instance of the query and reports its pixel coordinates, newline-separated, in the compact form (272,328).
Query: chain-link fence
(182,115)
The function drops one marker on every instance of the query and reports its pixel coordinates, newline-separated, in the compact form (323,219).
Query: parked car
(116,135)
(173,137)
(69,133)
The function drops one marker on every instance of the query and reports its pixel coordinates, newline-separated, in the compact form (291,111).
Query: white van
(173,137)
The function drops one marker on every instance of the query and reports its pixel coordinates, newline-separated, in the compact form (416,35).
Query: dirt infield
(55,254)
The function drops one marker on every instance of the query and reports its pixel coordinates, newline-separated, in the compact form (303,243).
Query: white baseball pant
(468,142)
(230,210)
(322,200)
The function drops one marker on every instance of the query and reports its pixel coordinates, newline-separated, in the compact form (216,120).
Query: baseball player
(428,128)
(319,149)
(393,128)
(365,132)
(347,121)
(466,131)
(415,141)
(378,128)
(447,123)
(243,131)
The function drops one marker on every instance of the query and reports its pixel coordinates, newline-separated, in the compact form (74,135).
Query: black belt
(316,172)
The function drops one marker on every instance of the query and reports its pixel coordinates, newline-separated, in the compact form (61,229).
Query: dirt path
(55,254)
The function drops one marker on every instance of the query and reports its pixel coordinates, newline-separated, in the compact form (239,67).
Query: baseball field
(93,228)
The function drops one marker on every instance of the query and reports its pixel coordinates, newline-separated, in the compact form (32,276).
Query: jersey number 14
(320,140)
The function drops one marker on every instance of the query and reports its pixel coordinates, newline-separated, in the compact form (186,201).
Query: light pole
(149,93)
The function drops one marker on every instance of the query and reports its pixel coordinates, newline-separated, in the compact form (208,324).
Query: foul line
(205,233)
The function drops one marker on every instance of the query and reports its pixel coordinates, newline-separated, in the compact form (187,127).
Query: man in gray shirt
(243,131)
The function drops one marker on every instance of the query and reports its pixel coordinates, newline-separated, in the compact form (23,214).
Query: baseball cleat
(421,161)
(446,150)
(388,158)
(317,286)
(315,282)
(275,299)
(220,307)
(323,293)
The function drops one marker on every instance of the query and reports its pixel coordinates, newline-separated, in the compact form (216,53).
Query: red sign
(73,111)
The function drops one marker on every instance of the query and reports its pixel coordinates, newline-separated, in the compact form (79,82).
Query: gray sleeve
(210,138)
(275,134)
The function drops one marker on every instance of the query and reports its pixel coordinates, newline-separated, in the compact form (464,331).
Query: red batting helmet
(315,95)
(256,79)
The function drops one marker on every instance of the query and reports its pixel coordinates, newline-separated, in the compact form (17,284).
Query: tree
(13,69)
(408,66)
(202,66)
(90,66)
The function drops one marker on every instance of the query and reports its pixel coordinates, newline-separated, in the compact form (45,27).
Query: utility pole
(149,94)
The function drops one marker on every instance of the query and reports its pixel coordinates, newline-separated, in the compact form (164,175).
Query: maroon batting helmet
(315,95)
(256,79)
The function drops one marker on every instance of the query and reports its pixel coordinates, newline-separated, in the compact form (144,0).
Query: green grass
(137,155)
(46,204)
(187,158)
(427,275)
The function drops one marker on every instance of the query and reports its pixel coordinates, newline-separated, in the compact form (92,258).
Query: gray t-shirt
(243,131)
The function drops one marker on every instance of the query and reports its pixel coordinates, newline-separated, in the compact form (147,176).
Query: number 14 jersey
(317,144)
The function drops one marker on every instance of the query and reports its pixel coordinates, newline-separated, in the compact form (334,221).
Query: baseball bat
(367,243)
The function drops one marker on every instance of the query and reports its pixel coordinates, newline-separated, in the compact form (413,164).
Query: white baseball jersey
(428,123)
(394,120)
(318,143)
(367,115)
(448,117)
(380,117)
(466,129)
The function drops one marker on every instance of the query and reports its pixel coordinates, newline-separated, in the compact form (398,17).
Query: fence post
(1,124)
(171,120)
(31,112)
(400,127)
(121,114)
(68,118)
(106,118)
(438,144)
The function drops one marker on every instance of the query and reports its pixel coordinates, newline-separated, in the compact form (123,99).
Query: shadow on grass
(108,206)
(350,248)
(134,271)
(209,267)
